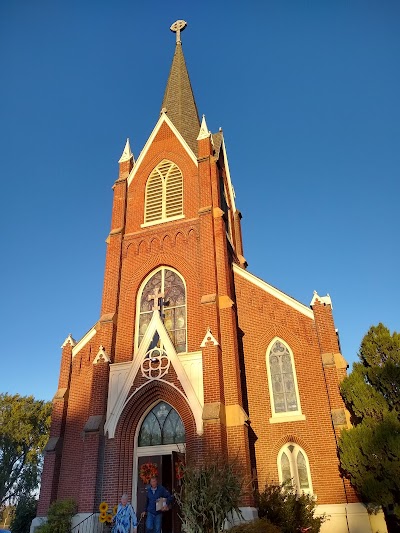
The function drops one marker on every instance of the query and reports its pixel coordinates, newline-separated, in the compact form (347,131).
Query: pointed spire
(203,133)
(127,153)
(178,101)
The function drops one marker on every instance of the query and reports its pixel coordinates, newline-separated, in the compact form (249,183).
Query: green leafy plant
(209,496)
(59,517)
(282,506)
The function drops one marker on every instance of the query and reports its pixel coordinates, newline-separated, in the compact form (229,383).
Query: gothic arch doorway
(160,446)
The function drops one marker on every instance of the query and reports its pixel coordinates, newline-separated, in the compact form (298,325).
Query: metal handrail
(82,521)
(90,524)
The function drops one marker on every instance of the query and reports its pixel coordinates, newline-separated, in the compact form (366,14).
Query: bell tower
(167,333)
(175,232)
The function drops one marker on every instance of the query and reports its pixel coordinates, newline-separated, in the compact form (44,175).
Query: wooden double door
(168,476)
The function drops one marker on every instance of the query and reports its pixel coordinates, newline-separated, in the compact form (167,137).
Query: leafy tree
(6,514)
(289,511)
(24,514)
(370,451)
(24,427)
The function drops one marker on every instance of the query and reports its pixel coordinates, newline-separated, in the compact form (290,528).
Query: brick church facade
(192,354)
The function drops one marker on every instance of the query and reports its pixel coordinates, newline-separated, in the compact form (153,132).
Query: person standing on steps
(125,520)
(154,511)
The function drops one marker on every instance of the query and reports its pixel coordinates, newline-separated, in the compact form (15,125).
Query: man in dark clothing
(154,516)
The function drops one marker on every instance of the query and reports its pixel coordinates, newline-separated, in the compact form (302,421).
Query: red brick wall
(261,318)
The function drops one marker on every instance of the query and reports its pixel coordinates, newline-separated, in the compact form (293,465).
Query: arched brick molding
(119,452)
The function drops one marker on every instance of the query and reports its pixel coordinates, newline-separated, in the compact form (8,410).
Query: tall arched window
(284,393)
(164,194)
(293,464)
(162,425)
(173,305)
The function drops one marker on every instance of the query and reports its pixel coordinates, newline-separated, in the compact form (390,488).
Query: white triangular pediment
(163,118)
(209,339)
(120,386)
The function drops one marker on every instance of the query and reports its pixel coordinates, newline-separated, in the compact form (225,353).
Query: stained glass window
(282,379)
(162,425)
(293,464)
(302,471)
(285,467)
(173,306)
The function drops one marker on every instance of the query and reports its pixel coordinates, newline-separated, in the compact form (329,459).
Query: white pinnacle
(126,154)
(203,133)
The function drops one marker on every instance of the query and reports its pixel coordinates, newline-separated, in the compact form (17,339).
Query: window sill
(161,221)
(291,418)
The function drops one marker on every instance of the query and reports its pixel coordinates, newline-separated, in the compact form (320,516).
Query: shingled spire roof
(179,102)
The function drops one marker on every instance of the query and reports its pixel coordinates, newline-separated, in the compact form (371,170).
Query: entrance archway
(160,444)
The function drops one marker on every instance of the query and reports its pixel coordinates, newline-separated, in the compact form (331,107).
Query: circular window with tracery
(155,364)
(162,425)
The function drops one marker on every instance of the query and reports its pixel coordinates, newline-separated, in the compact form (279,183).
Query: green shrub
(285,508)
(261,525)
(210,494)
(59,517)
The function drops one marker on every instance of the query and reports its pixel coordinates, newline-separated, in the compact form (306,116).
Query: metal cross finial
(156,298)
(177,27)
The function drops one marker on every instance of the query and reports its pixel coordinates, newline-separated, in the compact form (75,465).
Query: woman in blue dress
(125,520)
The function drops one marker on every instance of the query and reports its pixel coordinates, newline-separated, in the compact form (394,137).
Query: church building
(192,356)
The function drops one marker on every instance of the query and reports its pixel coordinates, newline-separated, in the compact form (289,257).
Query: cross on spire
(177,27)
(156,297)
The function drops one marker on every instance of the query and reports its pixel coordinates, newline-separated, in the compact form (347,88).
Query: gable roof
(163,119)
(276,293)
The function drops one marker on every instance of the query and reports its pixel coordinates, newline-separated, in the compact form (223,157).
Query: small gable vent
(164,193)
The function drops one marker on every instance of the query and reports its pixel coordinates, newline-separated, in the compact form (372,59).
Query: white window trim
(292,456)
(161,221)
(139,297)
(163,218)
(289,416)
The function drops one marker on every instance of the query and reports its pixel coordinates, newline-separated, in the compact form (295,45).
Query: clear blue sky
(307,94)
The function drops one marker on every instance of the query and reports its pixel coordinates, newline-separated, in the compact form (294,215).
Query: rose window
(155,364)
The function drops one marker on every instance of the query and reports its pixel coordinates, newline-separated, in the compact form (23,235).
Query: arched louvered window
(164,194)
(293,465)
(173,305)
(282,380)
(162,425)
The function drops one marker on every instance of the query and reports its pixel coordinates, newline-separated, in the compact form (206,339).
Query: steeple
(178,101)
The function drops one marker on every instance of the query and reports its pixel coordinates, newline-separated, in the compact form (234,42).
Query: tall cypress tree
(370,450)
